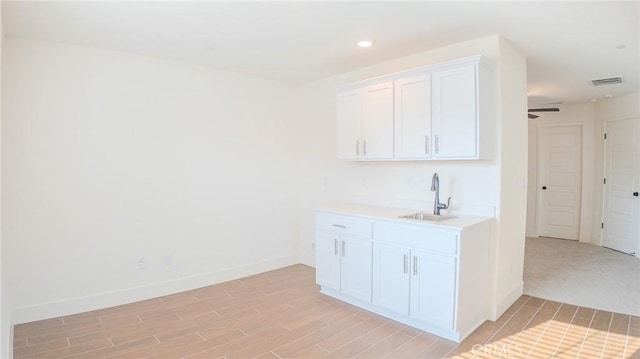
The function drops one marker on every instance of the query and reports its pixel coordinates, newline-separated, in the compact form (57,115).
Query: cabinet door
(412,119)
(355,271)
(349,114)
(391,278)
(433,283)
(328,260)
(377,121)
(455,116)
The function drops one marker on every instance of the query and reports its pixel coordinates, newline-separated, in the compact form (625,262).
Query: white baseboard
(135,294)
(9,344)
(506,301)
(308,260)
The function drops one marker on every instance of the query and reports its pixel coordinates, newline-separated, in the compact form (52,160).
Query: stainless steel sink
(428,217)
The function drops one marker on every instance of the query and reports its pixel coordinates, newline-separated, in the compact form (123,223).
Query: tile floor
(281,314)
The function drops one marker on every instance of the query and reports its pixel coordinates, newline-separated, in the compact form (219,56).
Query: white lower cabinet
(343,260)
(391,277)
(328,260)
(414,283)
(433,284)
(431,277)
(355,268)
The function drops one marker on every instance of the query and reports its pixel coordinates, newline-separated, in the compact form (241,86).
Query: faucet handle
(444,206)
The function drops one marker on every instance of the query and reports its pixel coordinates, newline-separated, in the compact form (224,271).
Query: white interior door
(559,181)
(622,173)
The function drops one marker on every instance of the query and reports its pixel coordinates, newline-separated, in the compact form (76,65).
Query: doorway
(621,210)
(559,181)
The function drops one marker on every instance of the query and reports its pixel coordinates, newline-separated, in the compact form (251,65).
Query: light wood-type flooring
(281,314)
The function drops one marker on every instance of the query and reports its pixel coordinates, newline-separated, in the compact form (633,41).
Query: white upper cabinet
(439,112)
(377,121)
(412,108)
(365,122)
(349,105)
(455,112)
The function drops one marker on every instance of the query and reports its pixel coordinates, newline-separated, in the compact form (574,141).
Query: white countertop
(393,214)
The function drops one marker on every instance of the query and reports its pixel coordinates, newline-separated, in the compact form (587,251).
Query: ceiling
(566,43)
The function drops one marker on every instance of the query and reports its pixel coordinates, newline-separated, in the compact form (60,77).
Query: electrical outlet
(168,260)
(141,263)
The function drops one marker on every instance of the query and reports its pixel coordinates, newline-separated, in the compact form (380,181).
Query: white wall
(6,337)
(574,114)
(619,108)
(512,154)
(108,157)
(475,186)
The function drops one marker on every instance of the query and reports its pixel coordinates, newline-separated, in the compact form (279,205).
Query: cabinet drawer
(344,224)
(418,237)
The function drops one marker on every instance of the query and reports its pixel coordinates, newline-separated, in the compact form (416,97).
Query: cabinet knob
(544,187)
(635,194)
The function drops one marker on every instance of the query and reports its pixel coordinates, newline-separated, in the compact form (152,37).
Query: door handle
(343,248)
(544,187)
(635,194)
(335,246)
(405,264)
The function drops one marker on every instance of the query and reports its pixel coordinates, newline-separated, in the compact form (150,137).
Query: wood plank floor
(281,314)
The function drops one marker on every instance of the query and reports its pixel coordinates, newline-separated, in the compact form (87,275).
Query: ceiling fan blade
(549,109)
(532,116)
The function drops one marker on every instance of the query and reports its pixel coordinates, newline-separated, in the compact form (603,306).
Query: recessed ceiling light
(365,43)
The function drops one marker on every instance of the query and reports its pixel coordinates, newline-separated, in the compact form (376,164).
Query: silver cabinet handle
(415,265)
(343,251)
(335,246)
(437,144)
(405,263)
(426,145)
(364,147)
(357,148)
(339,226)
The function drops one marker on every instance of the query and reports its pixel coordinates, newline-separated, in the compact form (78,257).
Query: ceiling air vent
(607,81)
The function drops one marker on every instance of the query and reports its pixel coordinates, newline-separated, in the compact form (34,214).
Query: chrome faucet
(435,187)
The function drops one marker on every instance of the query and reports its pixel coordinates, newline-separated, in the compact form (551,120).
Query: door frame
(604,175)
(540,127)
